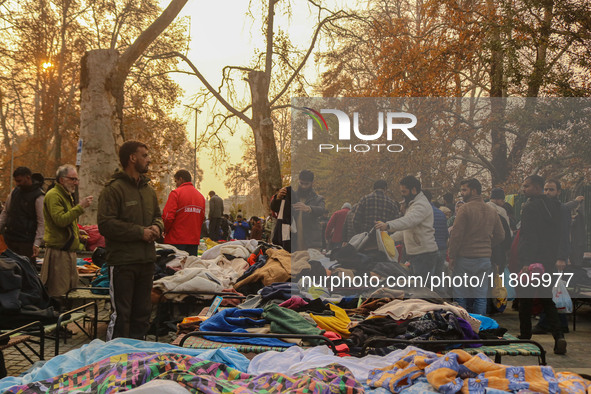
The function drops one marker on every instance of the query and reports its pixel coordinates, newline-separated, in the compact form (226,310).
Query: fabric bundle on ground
(459,371)
(203,275)
(276,269)
(127,371)
(438,325)
(286,321)
(337,323)
(238,320)
(409,309)
(238,248)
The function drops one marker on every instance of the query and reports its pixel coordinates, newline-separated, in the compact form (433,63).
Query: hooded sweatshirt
(125,208)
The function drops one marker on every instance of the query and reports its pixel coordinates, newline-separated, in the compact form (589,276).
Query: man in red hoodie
(184,214)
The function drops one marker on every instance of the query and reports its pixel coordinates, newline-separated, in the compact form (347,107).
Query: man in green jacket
(130,220)
(62,240)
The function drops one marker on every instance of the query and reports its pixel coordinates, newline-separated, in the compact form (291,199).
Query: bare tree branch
(332,18)
(211,89)
(147,37)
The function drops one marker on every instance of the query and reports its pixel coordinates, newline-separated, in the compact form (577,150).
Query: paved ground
(576,360)
(577,357)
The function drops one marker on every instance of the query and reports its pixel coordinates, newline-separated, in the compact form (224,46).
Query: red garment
(334,228)
(95,239)
(183,215)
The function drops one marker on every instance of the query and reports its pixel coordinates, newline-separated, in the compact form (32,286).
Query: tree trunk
(3,126)
(102,79)
(500,170)
(268,166)
(99,121)
(535,83)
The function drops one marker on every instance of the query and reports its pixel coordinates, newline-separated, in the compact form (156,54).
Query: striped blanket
(458,371)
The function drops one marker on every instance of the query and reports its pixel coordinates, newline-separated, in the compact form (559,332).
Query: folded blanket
(238,320)
(459,371)
(287,321)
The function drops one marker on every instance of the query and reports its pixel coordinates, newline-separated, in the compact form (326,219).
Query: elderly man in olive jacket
(130,220)
(62,239)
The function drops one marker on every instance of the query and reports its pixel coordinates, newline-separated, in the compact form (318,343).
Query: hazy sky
(222,34)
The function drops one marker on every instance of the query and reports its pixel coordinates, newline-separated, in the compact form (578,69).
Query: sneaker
(560,346)
(538,330)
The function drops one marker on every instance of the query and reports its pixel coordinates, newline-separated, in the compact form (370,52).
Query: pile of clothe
(384,315)
(215,270)
(146,367)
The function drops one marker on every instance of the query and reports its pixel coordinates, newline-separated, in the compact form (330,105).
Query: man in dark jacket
(21,220)
(539,240)
(216,213)
(129,218)
(552,189)
(281,205)
(500,251)
(307,209)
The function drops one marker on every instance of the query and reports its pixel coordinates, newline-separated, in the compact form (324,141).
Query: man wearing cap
(334,228)
(307,209)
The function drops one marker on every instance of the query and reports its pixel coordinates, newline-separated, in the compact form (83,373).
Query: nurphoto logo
(394,122)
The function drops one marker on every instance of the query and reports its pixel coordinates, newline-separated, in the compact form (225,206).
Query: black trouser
(214,228)
(525,308)
(131,288)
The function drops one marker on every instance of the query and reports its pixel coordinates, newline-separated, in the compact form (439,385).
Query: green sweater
(61,219)
(125,208)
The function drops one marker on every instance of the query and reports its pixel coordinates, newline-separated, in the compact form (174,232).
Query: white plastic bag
(561,298)
(358,241)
